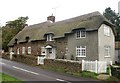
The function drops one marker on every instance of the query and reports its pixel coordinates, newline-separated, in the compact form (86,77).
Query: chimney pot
(51,18)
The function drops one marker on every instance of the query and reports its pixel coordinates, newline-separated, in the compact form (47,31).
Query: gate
(41,60)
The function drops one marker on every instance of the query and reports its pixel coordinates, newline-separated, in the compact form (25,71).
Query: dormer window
(80,33)
(49,37)
(16,40)
(27,38)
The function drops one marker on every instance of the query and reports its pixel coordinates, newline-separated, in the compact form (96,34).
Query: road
(35,73)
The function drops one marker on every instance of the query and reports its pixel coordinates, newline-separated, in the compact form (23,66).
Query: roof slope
(37,31)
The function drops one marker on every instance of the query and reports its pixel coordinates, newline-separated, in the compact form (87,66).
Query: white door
(51,53)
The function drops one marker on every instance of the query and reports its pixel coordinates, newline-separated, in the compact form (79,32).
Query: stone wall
(65,65)
(27,59)
(6,55)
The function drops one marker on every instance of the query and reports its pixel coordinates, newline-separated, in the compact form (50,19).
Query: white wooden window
(43,51)
(18,50)
(50,50)
(80,34)
(49,37)
(81,51)
(29,50)
(106,30)
(23,50)
(10,50)
(107,51)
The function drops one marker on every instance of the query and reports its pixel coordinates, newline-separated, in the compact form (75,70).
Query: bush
(88,74)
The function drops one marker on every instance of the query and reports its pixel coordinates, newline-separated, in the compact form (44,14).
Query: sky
(39,10)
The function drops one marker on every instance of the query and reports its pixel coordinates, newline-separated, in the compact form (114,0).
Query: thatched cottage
(88,37)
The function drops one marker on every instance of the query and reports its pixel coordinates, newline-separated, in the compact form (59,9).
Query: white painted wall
(106,40)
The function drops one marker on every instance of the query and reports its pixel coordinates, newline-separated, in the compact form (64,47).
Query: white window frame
(10,50)
(50,50)
(29,50)
(107,51)
(49,37)
(80,51)
(79,34)
(43,51)
(23,50)
(18,50)
(106,30)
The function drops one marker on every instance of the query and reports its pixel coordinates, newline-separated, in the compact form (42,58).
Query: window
(29,50)
(43,51)
(107,51)
(23,50)
(106,30)
(18,50)
(49,37)
(50,50)
(81,51)
(80,34)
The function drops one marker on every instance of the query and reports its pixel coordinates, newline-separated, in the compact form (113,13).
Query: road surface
(35,73)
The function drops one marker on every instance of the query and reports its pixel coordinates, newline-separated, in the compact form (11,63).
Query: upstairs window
(43,51)
(106,30)
(29,50)
(80,34)
(81,51)
(49,37)
(23,50)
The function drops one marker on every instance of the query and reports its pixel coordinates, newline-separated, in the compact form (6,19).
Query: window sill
(107,56)
(80,56)
(81,38)
(43,54)
(107,35)
(50,40)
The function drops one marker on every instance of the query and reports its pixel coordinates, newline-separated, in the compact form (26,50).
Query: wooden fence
(94,66)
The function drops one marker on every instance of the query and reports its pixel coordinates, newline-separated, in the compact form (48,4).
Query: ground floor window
(107,51)
(23,50)
(81,51)
(29,50)
(18,50)
(50,50)
(43,51)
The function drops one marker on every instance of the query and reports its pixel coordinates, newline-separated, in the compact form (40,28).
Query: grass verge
(4,78)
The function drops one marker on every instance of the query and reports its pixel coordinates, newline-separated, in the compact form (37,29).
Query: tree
(0,37)
(11,29)
(114,18)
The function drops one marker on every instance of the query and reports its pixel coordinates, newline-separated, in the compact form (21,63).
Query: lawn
(4,78)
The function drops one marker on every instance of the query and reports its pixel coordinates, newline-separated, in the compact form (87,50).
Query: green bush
(88,74)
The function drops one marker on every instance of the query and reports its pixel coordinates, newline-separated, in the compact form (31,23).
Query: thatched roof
(91,21)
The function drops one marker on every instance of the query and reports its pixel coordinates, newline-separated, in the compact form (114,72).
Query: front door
(51,53)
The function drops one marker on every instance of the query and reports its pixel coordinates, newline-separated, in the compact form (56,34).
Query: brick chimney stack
(51,18)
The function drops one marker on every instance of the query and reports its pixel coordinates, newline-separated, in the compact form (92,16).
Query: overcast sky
(38,10)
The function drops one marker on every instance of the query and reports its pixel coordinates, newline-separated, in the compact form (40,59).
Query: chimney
(51,18)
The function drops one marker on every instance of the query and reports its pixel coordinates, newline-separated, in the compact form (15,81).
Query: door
(51,53)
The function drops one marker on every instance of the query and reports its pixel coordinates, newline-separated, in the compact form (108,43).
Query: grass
(86,74)
(4,78)
(89,74)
